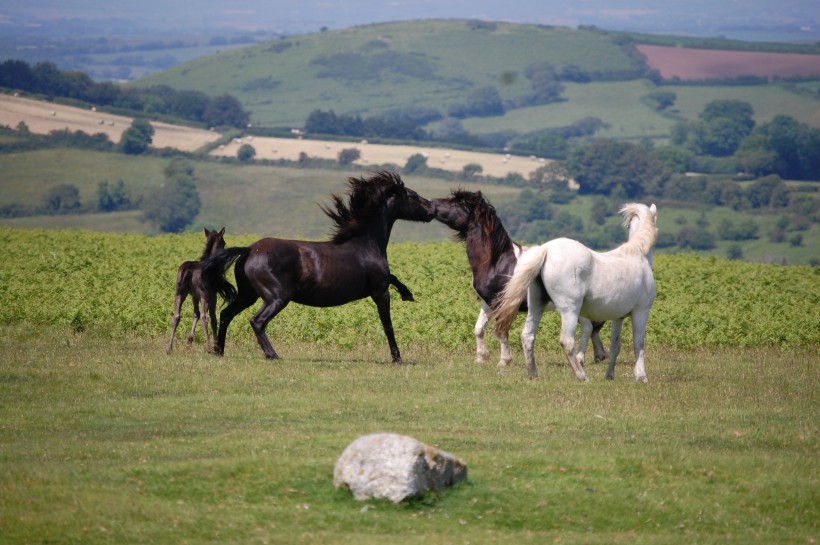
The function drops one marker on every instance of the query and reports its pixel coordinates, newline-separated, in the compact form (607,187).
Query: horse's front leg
(639,321)
(598,346)
(535,310)
(481,351)
(404,291)
(614,346)
(382,301)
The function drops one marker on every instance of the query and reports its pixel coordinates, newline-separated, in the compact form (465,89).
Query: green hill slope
(369,70)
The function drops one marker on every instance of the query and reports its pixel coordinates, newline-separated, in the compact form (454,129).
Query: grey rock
(395,467)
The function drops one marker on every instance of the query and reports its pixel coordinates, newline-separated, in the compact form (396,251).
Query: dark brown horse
(189,282)
(492,255)
(352,265)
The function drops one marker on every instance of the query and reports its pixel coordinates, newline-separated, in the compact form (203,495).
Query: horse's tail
(215,267)
(508,302)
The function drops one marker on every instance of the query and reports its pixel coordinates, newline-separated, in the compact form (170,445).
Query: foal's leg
(178,300)
(614,346)
(195,302)
(586,333)
(382,301)
(535,310)
(208,312)
(639,320)
(481,351)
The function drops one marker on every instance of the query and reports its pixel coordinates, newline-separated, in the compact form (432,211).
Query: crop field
(701,64)
(106,439)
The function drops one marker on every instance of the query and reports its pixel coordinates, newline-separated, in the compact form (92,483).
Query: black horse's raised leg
(404,292)
(382,301)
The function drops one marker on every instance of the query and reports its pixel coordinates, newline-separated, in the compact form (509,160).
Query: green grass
(112,441)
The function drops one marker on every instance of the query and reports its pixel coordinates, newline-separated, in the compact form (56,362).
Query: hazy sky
(691,16)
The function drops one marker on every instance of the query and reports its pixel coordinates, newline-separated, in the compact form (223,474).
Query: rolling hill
(435,64)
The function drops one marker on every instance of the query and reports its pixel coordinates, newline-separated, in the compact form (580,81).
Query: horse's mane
(644,238)
(365,196)
(484,215)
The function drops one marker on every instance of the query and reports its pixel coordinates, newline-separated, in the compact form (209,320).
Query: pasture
(106,439)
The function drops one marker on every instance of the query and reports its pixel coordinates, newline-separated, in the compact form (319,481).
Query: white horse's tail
(509,300)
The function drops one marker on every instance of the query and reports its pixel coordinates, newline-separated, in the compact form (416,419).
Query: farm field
(701,64)
(106,439)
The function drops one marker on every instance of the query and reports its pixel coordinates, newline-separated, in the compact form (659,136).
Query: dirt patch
(703,64)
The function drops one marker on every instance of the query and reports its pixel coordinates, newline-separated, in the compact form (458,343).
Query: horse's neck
(482,249)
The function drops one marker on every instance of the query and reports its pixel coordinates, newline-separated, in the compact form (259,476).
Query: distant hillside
(429,69)
(370,70)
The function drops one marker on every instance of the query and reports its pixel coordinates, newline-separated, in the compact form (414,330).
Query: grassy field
(112,441)
(106,439)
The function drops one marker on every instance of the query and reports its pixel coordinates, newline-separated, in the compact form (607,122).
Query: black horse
(492,255)
(352,265)
(190,282)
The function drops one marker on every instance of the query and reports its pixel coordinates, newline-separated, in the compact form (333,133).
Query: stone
(394,467)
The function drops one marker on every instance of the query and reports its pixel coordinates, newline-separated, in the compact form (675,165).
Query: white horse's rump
(581,282)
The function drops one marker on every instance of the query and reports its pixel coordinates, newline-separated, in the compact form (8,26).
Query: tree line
(45,78)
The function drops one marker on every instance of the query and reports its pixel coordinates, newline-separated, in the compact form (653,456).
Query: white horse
(580,282)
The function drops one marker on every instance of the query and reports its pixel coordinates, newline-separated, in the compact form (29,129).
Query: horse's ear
(207,233)
(222,231)
(653,209)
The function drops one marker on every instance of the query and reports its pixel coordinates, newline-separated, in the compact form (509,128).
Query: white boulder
(395,467)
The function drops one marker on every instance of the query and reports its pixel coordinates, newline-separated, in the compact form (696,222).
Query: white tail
(510,299)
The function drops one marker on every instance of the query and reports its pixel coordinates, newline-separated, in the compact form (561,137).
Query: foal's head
(214,241)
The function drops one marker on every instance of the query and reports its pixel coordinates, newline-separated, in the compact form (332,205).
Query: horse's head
(412,206)
(456,211)
(214,241)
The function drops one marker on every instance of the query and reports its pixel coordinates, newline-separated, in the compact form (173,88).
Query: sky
(692,17)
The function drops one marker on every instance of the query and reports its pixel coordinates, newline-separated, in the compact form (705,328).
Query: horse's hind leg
(243,300)
(614,346)
(404,291)
(535,308)
(178,299)
(569,322)
(639,320)
(260,321)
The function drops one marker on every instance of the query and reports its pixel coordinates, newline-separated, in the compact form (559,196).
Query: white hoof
(642,379)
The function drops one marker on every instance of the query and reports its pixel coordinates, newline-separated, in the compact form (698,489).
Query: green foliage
(245,153)
(619,169)
(225,111)
(176,203)
(61,199)
(348,156)
(112,197)
(137,138)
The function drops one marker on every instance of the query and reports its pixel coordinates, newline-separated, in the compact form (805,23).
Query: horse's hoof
(610,377)
(398,361)
(643,379)
(505,363)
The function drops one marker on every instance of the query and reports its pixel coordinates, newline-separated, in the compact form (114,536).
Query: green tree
(61,199)
(415,163)
(175,205)
(225,111)
(245,153)
(348,156)
(137,138)
(111,197)
(614,168)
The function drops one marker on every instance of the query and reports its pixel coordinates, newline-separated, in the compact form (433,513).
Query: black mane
(365,196)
